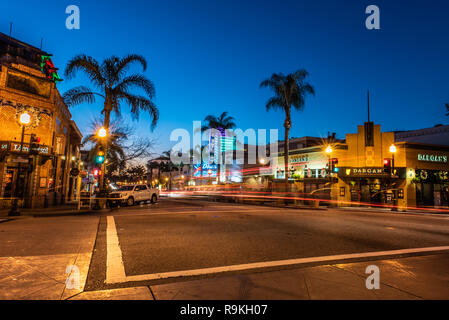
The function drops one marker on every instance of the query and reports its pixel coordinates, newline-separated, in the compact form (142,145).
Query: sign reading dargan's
(361,172)
(432,158)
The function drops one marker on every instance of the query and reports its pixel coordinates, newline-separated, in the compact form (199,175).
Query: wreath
(424,175)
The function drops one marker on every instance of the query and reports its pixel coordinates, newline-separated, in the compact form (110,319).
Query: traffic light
(387,166)
(34,144)
(334,166)
(100,158)
(97,172)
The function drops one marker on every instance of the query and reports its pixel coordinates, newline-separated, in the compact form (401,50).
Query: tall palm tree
(447,109)
(221,123)
(113,85)
(289,90)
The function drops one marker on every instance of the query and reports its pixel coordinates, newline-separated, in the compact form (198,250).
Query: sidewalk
(412,278)
(39,270)
(67,210)
(424,277)
(439,212)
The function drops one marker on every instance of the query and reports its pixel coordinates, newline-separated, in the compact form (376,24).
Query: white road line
(115,272)
(115,269)
(259,265)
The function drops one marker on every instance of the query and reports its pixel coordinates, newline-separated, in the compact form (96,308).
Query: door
(9,183)
(141,193)
(424,195)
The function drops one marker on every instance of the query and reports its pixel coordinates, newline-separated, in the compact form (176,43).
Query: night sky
(206,57)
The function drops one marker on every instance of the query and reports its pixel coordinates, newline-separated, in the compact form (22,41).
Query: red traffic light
(387,162)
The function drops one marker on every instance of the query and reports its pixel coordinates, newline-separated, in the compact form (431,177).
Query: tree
(122,148)
(220,123)
(289,90)
(447,109)
(136,173)
(113,85)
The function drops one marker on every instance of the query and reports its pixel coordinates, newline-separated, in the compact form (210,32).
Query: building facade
(39,141)
(368,168)
(379,170)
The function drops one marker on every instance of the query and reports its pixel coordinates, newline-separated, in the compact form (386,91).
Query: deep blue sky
(206,57)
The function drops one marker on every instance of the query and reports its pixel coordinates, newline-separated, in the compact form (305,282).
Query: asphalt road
(178,235)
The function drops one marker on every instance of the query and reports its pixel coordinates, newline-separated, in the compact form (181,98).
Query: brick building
(30,105)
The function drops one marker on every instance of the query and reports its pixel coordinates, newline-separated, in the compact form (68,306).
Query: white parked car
(132,194)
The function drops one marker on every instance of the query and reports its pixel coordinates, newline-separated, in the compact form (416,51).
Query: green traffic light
(100,159)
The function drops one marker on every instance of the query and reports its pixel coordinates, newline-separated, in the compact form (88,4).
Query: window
(141,188)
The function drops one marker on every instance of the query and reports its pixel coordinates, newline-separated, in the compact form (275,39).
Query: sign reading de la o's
(432,158)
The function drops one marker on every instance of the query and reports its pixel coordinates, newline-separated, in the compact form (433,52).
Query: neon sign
(49,69)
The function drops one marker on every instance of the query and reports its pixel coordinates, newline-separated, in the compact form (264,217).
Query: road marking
(115,269)
(269,264)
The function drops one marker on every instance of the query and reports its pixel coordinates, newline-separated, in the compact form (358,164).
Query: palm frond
(125,62)
(139,103)
(87,64)
(136,81)
(79,95)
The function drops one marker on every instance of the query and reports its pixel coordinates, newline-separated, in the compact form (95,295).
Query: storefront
(39,143)
(378,170)
(428,175)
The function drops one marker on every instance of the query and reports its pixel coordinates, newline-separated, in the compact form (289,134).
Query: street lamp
(209,172)
(24,120)
(393,151)
(329,151)
(103,133)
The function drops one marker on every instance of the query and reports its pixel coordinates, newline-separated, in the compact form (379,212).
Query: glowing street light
(393,149)
(329,150)
(102,133)
(25,118)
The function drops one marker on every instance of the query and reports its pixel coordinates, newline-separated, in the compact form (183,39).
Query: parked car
(133,194)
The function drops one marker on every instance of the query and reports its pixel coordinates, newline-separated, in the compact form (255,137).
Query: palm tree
(447,109)
(220,123)
(289,90)
(113,85)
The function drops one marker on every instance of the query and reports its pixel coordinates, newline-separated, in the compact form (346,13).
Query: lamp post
(209,172)
(393,151)
(102,134)
(24,119)
(329,151)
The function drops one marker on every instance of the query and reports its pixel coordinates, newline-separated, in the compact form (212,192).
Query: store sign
(299,159)
(17,148)
(432,158)
(354,172)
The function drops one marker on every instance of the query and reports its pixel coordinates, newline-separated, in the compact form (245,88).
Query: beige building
(418,177)
(368,168)
(30,105)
